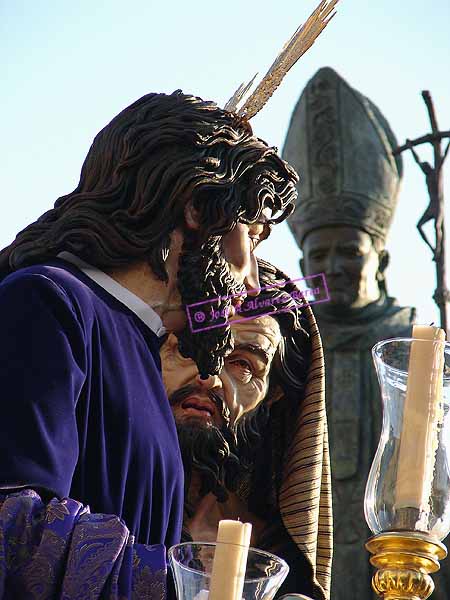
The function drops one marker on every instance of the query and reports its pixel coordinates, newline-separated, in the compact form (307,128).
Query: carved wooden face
(238,246)
(350,262)
(243,382)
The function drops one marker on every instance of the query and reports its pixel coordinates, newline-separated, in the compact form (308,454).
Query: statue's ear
(171,341)
(301,262)
(191,216)
(384,260)
(275,394)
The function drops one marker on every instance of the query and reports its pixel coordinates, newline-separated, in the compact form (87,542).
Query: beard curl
(212,452)
(204,274)
(224,458)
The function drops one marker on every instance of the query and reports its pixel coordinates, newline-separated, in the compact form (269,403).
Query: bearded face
(208,412)
(207,441)
(204,273)
(158,159)
(223,268)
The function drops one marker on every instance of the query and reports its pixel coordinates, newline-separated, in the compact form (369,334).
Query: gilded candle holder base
(404,560)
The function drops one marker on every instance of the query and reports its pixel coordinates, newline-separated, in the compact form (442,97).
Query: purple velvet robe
(84,411)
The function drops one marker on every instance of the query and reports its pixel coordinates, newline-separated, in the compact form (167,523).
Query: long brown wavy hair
(142,169)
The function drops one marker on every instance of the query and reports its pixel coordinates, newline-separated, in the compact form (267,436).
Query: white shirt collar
(133,302)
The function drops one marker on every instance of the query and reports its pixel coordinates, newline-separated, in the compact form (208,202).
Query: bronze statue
(432,212)
(435,209)
(341,145)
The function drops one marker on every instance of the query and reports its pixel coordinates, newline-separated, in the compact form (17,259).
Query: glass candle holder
(191,564)
(408,487)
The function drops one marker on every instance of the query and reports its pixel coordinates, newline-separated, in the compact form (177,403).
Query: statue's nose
(212,382)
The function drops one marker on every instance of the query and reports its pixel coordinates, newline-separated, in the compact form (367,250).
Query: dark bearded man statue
(174,195)
(342,146)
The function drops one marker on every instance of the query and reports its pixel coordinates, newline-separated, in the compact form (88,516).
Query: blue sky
(69,67)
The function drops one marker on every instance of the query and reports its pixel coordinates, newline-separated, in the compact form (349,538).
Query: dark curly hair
(142,169)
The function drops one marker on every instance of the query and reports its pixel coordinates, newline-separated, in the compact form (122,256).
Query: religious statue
(244,435)
(174,196)
(159,220)
(342,146)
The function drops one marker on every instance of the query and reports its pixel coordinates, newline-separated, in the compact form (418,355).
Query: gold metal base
(404,559)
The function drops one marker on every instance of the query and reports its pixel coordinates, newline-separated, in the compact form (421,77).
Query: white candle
(230,560)
(245,540)
(422,413)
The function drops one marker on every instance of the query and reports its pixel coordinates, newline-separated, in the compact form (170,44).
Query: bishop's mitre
(341,145)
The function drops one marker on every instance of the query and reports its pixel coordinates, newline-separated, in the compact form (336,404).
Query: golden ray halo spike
(303,38)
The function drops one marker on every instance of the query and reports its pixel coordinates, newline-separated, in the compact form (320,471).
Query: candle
(422,414)
(246,534)
(230,560)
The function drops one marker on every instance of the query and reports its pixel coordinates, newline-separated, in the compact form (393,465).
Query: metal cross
(435,209)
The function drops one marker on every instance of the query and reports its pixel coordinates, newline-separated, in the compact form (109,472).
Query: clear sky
(69,66)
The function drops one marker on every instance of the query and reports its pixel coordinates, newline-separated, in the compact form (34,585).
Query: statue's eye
(351,252)
(254,241)
(241,368)
(242,363)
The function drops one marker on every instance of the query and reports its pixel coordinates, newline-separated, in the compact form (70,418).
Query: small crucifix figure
(435,209)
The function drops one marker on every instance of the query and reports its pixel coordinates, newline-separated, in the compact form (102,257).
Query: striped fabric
(305,495)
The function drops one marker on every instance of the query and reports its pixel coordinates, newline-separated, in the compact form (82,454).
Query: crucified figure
(435,209)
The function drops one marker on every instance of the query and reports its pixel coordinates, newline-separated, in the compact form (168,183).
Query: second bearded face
(240,387)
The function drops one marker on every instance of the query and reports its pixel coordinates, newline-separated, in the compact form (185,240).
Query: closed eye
(351,252)
(316,255)
(259,232)
(255,240)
